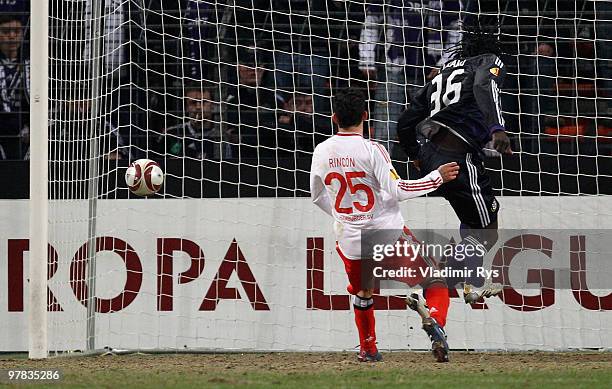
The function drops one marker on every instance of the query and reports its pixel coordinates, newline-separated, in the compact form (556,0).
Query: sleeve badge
(394,174)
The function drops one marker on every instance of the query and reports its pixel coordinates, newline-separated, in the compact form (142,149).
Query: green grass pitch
(326,370)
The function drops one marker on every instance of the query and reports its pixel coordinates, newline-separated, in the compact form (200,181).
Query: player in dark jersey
(451,119)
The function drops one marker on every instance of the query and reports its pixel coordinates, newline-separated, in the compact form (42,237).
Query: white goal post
(230,99)
(39,166)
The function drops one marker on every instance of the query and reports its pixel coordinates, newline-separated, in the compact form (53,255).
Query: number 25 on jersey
(353,188)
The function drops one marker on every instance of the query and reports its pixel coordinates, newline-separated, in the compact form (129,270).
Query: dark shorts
(470,194)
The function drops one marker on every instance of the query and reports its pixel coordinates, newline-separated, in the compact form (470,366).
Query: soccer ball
(144,177)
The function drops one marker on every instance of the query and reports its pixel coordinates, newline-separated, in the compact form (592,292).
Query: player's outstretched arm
(429,183)
(400,189)
(408,189)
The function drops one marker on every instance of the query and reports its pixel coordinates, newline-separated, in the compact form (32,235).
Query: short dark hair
(349,106)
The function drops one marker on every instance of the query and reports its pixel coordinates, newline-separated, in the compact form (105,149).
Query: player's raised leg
(458,130)
(433,311)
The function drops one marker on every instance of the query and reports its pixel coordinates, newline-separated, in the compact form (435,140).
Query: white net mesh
(230,98)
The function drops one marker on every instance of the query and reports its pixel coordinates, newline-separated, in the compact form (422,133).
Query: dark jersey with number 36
(463,97)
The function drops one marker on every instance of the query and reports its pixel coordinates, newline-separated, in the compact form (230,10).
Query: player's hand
(449,171)
(501,142)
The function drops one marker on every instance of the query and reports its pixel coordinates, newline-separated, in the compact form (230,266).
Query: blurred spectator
(412,38)
(299,132)
(201,42)
(546,50)
(21,7)
(14,87)
(301,33)
(345,22)
(544,113)
(251,109)
(113,48)
(157,63)
(251,17)
(438,49)
(198,136)
(73,132)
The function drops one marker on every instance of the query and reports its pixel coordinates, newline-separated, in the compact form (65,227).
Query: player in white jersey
(352,179)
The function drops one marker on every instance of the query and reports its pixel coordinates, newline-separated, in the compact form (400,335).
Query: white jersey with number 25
(352,179)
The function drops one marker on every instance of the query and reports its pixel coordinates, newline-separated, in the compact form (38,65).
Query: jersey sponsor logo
(394,174)
(355,218)
(494,71)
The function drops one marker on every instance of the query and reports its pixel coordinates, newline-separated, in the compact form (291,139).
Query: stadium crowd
(253,79)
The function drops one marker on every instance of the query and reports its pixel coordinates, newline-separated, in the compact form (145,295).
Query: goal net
(230,98)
